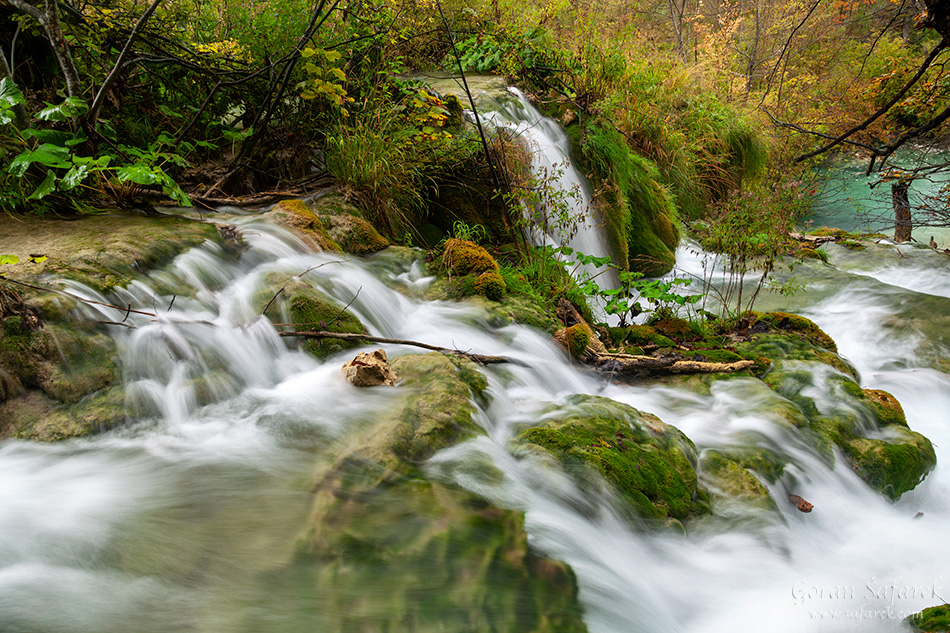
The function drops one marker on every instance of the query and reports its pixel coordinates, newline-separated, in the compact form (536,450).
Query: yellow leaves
(325,81)
(224,48)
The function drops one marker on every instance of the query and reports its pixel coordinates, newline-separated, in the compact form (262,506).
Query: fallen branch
(630,365)
(482,359)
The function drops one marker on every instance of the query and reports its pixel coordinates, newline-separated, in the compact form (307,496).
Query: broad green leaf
(10,94)
(38,259)
(46,187)
(339,74)
(307,53)
(70,107)
(9,259)
(332,56)
(74,176)
(46,154)
(137,173)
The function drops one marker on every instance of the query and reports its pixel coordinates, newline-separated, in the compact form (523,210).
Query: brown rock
(801,504)
(369,370)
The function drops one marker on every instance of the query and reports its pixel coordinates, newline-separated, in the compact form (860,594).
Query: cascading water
(564,214)
(169,523)
(165,524)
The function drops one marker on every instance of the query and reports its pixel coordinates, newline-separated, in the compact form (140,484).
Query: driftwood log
(636,366)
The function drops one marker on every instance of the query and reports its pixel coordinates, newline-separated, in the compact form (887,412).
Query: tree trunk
(901,202)
(49,20)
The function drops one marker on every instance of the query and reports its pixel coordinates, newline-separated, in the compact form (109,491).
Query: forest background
(693,109)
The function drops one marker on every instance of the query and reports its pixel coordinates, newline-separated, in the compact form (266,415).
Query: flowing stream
(166,524)
(170,522)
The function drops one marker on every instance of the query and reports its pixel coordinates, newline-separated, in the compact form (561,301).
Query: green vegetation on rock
(649,463)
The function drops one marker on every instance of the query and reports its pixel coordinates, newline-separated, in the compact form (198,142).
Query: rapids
(168,523)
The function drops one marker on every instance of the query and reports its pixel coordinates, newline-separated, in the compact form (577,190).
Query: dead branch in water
(482,359)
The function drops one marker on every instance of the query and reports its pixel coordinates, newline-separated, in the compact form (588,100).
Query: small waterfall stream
(168,524)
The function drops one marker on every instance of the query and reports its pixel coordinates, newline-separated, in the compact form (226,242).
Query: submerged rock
(301,306)
(431,556)
(648,462)
(867,426)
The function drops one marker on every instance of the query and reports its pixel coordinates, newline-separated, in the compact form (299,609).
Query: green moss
(639,212)
(807,252)
(305,308)
(731,480)
(354,234)
(639,335)
(886,407)
(297,216)
(673,328)
(931,620)
(797,323)
(894,466)
(33,416)
(648,462)
(461,257)
(578,338)
(490,284)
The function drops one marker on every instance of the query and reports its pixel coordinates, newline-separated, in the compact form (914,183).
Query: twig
(337,317)
(272,299)
(350,336)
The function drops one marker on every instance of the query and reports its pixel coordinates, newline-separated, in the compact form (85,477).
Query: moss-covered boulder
(354,234)
(638,212)
(299,218)
(101,251)
(649,463)
(736,474)
(462,257)
(931,620)
(867,426)
(303,307)
(434,557)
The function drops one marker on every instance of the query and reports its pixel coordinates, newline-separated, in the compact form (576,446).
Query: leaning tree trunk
(902,223)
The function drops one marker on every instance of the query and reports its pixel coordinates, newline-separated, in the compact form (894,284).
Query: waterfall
(556,177)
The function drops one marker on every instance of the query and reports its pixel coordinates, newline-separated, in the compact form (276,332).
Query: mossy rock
(65,361)
(34,416)
(462,257)
(867,426)
(807,252)
(673,328)
(638,213)
(893,466)
(931,620)
(101,251)
(307,308)
(435,557)
(886,407)
(729,480)
(638,335)
(797,323)
(648,462)
(354,234)
(491,285)
(297,217)
(575,339)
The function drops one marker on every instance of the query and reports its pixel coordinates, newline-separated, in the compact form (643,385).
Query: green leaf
(46,154)
(70,107)
(74,176)
(137,173)
(38,259)
(10,94)
(164,109)
(9,259)
(46,187)
(307,53)
(332,56)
